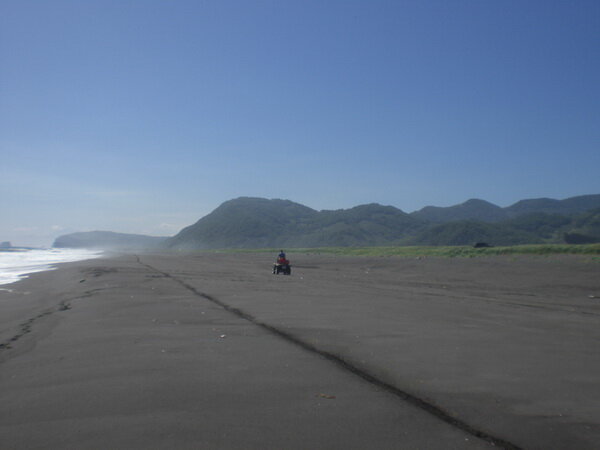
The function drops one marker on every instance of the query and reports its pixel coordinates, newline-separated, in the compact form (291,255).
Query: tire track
(339,360)
(26,327)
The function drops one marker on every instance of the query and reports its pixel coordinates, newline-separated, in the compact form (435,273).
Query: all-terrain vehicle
(282,266)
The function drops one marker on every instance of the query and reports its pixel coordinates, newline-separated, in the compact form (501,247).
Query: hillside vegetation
(261,223)
(256,222)
(483,211)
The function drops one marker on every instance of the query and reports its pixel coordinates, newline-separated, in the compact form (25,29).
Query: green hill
(469,232)
(584,229)
(572,205)
(535,228)
(371,224)
(483,211)
(259,223)
(473,209)
(245,222)
(256,222)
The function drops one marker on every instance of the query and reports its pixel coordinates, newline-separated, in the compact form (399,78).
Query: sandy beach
(189,351)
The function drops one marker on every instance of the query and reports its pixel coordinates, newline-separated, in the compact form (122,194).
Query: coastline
(150,351)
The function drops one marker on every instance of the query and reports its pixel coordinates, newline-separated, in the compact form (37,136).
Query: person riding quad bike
(282,265)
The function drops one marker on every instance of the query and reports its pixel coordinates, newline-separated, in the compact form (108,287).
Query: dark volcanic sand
(213,351)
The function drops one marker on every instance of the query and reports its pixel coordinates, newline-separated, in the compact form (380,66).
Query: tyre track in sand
(26,327)
(348,366)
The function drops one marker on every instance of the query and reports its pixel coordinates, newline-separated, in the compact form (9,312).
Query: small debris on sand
(327,396)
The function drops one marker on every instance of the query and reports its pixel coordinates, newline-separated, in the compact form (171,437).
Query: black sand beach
(162,351)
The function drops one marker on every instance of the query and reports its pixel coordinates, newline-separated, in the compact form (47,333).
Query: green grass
(449,251)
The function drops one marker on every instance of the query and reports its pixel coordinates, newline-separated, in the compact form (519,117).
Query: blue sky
(143,116)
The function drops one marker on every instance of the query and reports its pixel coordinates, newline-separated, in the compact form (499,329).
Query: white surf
(16,264)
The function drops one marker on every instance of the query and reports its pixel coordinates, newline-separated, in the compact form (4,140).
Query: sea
(17,263)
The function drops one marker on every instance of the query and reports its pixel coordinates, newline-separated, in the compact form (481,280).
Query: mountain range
(248,222)
(483,211)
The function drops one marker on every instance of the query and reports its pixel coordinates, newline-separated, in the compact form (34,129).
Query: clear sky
(143,116)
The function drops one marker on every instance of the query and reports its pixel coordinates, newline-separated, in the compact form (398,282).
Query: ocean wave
(17,264)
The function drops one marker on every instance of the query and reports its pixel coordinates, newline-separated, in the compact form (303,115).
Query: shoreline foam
(17,264)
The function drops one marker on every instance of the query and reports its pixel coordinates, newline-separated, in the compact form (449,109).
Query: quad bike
(282,266)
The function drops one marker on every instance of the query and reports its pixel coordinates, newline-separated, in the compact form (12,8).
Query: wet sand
(213,351)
